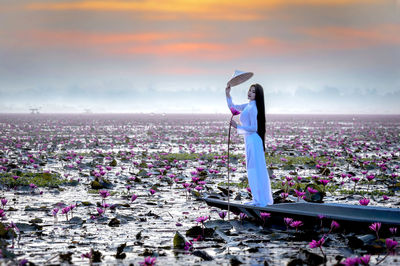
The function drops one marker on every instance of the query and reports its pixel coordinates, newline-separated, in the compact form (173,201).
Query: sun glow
(182,9)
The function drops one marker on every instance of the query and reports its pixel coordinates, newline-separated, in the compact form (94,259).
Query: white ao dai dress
(257,173)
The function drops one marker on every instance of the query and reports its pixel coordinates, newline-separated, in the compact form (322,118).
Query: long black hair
(260,112)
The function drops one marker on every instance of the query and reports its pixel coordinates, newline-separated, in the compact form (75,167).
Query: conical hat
(239,77)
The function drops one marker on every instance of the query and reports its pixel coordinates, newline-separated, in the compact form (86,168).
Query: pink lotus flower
(316,244)
(288,221)
(23,262)
(334,225)
(133,198)
(299,193)
(201,219)
(393,230)
(104,193)
(55,211)
(4,202)
(100,211)
(65,210)
(321,217)
(312,190)
(188,245)
(234,111)
(148,261)
(222,214)
(391,245)
(198,238)
(385,197)
(265,215)
(296,224)
(375,227)
(324,182)
(370,177)
(365,259)
(87,255)
(12,226)
(364,201)
(193,173)
(200,169)
(351,261)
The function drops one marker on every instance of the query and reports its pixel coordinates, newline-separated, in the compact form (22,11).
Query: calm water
(137,153)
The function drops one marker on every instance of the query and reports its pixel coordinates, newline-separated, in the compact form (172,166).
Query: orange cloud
(167,9)
(178,70)
(248,48)
(80,38)
(183,9)
(183,45)
(323,39)
(158,44)
(199,50)
(346,38)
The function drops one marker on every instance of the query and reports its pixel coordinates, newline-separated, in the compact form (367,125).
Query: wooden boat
(353,215)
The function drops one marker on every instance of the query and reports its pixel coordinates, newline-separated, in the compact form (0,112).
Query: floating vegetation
(124,189)
(27,178)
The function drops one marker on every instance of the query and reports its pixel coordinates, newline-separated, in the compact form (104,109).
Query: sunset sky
(175,56)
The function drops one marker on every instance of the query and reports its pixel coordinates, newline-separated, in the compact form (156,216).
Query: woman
(252,128)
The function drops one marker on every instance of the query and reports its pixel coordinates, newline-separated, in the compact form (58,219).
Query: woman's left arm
(252,126)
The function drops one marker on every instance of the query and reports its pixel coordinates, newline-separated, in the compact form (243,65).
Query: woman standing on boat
(252,128)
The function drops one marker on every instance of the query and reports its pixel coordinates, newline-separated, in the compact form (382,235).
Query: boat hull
(349,214)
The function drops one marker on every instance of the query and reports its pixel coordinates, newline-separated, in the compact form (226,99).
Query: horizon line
(188,113)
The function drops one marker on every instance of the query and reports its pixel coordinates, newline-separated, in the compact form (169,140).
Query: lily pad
(114,222)
(196,231)
(202,254)
(179,240)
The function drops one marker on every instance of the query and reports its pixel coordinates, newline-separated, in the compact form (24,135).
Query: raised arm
(239,107)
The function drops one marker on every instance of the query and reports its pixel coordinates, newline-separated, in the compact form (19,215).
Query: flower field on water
(125,189)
